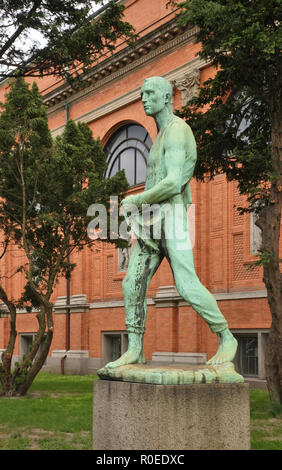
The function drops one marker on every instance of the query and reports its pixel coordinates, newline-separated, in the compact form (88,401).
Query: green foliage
(46,187)
(21,377)
(243,40)
(40,38)
(25,140)
(265,258)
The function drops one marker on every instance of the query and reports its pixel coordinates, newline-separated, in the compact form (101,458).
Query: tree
(44,37)
(46,188)
(237,122)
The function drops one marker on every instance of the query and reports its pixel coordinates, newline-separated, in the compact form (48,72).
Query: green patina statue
(170,168)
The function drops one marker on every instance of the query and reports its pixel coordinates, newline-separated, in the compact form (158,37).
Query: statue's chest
(156,169)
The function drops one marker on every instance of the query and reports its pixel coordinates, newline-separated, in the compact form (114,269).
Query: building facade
(225,242)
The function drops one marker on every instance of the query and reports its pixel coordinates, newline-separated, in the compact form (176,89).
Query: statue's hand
(132,200)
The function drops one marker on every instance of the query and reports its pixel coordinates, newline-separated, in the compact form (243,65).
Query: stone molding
(174,76)
(167,296)
(113,304)
(103,110)
(256,294)
(72,353)
(78,304)
(163,39)
(4,311)
(156,43)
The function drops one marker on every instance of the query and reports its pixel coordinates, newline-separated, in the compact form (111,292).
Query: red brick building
(225,242)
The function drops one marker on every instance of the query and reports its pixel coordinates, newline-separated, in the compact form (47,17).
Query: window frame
(114,152)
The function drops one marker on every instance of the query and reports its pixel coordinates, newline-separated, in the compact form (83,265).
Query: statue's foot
(226,350)
(129,357)
(142,359)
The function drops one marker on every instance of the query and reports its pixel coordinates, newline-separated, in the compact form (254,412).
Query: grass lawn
(266,422)
(56,414)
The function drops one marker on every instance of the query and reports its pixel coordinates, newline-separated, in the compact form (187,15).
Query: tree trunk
(6,378)
(18,382)
(273,281)
(46,310)
(270,223)
(37,365)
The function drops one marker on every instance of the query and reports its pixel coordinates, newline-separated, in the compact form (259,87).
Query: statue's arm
(178,141)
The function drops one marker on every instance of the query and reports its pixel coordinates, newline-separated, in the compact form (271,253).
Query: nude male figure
(170,168)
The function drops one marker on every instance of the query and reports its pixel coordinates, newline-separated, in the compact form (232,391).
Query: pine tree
(48,37)
(46,188)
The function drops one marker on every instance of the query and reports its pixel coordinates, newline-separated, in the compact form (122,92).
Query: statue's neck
(163,118)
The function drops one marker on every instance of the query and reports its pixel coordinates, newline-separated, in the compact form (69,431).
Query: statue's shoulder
(179,122)
(178,126)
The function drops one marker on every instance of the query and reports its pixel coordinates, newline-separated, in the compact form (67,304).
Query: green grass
(56,414)
(266,422)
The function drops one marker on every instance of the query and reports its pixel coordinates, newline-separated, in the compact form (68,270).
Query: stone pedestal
(142,416)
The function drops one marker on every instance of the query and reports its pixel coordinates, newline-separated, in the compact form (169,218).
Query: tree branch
(20,29)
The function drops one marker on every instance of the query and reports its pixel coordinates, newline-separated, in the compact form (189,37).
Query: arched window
(128,149)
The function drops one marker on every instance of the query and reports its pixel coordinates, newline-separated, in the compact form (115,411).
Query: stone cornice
(167,296)
(162,40)
(133,95)
(78,304)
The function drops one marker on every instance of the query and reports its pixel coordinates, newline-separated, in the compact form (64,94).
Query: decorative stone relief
(188,85)
(123,257)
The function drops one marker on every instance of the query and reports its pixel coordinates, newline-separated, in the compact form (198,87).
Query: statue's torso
(156,167)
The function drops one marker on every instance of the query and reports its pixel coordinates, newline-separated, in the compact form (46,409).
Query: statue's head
(156,94)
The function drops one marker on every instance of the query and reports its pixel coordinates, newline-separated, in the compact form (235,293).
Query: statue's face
(153,97)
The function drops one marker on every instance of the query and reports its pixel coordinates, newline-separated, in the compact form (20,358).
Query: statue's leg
(180,256)
(142,266)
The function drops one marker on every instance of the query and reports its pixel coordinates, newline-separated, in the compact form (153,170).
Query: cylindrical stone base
(137,416)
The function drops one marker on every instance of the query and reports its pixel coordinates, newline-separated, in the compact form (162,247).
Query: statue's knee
(127,286)
(130,293)
(187,286)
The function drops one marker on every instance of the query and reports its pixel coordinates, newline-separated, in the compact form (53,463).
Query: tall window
(128,149)
(114,344)
(247,354)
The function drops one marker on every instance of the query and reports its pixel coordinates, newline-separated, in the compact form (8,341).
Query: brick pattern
(238,201)
(113,286)
(240,268)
